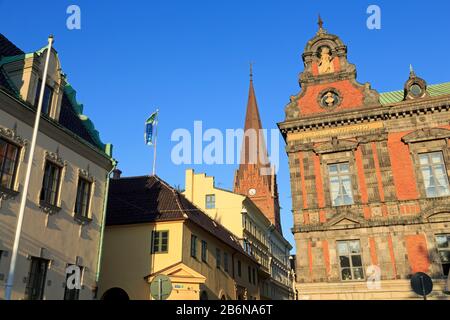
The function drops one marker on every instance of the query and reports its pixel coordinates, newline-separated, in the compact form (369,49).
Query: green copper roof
(397,96)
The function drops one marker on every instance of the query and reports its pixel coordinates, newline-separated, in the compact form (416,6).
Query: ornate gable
(328,81)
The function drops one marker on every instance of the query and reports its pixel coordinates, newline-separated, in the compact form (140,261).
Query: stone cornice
(366,115)
(429,208)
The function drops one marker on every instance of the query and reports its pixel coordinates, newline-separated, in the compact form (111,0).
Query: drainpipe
(102,230)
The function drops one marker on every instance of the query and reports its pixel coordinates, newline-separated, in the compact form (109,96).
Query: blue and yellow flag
(149,128)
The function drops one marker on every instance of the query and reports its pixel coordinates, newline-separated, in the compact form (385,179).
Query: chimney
(116,174)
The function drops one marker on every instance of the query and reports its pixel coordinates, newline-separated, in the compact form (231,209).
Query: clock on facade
(252,192)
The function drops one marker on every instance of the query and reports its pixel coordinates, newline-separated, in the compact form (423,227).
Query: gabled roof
(146,199)
(70,115)
(397,96)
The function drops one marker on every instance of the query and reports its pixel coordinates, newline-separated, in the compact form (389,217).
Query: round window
(416,90)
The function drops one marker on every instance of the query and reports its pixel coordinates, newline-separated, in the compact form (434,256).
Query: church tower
(255,177)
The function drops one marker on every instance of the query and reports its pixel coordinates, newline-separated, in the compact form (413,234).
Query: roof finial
(320,24)
(251,71)
(411,71)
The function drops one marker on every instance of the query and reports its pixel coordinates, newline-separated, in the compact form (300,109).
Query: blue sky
(190,58)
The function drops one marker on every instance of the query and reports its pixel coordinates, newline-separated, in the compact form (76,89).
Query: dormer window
(47,101)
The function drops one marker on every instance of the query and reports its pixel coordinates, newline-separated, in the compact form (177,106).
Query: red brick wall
(361,178)
(391,252)
(326,256)
(319,183)
(352,97)
(377,170)
(402,167)
(373,251)
(416,247)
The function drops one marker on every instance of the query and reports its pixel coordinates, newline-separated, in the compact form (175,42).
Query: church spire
(255,178)
(255,150)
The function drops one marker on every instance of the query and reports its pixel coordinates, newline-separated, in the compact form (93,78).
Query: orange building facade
(369,180)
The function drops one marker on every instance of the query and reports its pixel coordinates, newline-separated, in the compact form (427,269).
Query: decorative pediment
(296,147)
(335,145)
(440,213)
(55,158)
(11,135)
(382,136)
(345,219)
(179,272)
(426,134)
(439,217)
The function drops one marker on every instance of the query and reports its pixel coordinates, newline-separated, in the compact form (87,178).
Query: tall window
(160,240)
(83,198)
(249,270)
(204,251)
(36,279)
(434,174)
(47,101)
(9,155)
(350,260)
(210,201)
(340,184)
(225,261)
(443,246)
(72,294)
(193,246)
(50,184)
(239,267)
(218,258)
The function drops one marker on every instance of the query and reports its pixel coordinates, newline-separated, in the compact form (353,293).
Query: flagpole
(23,200)
(156,138)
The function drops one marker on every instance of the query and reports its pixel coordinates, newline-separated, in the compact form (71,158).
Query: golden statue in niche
(326,61)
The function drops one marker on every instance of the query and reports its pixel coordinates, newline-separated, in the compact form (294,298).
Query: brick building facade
(369,180)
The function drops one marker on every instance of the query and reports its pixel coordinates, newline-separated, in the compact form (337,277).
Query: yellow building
(152,229)
(257,235)
(63,218)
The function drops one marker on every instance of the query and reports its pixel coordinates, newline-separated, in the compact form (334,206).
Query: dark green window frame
(51,183)
(83,199)
(204,251)
(193,246)
(160,241)
(218,258)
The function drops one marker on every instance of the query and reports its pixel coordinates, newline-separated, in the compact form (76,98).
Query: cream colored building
(152,229)
(256,233)
(63,218)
